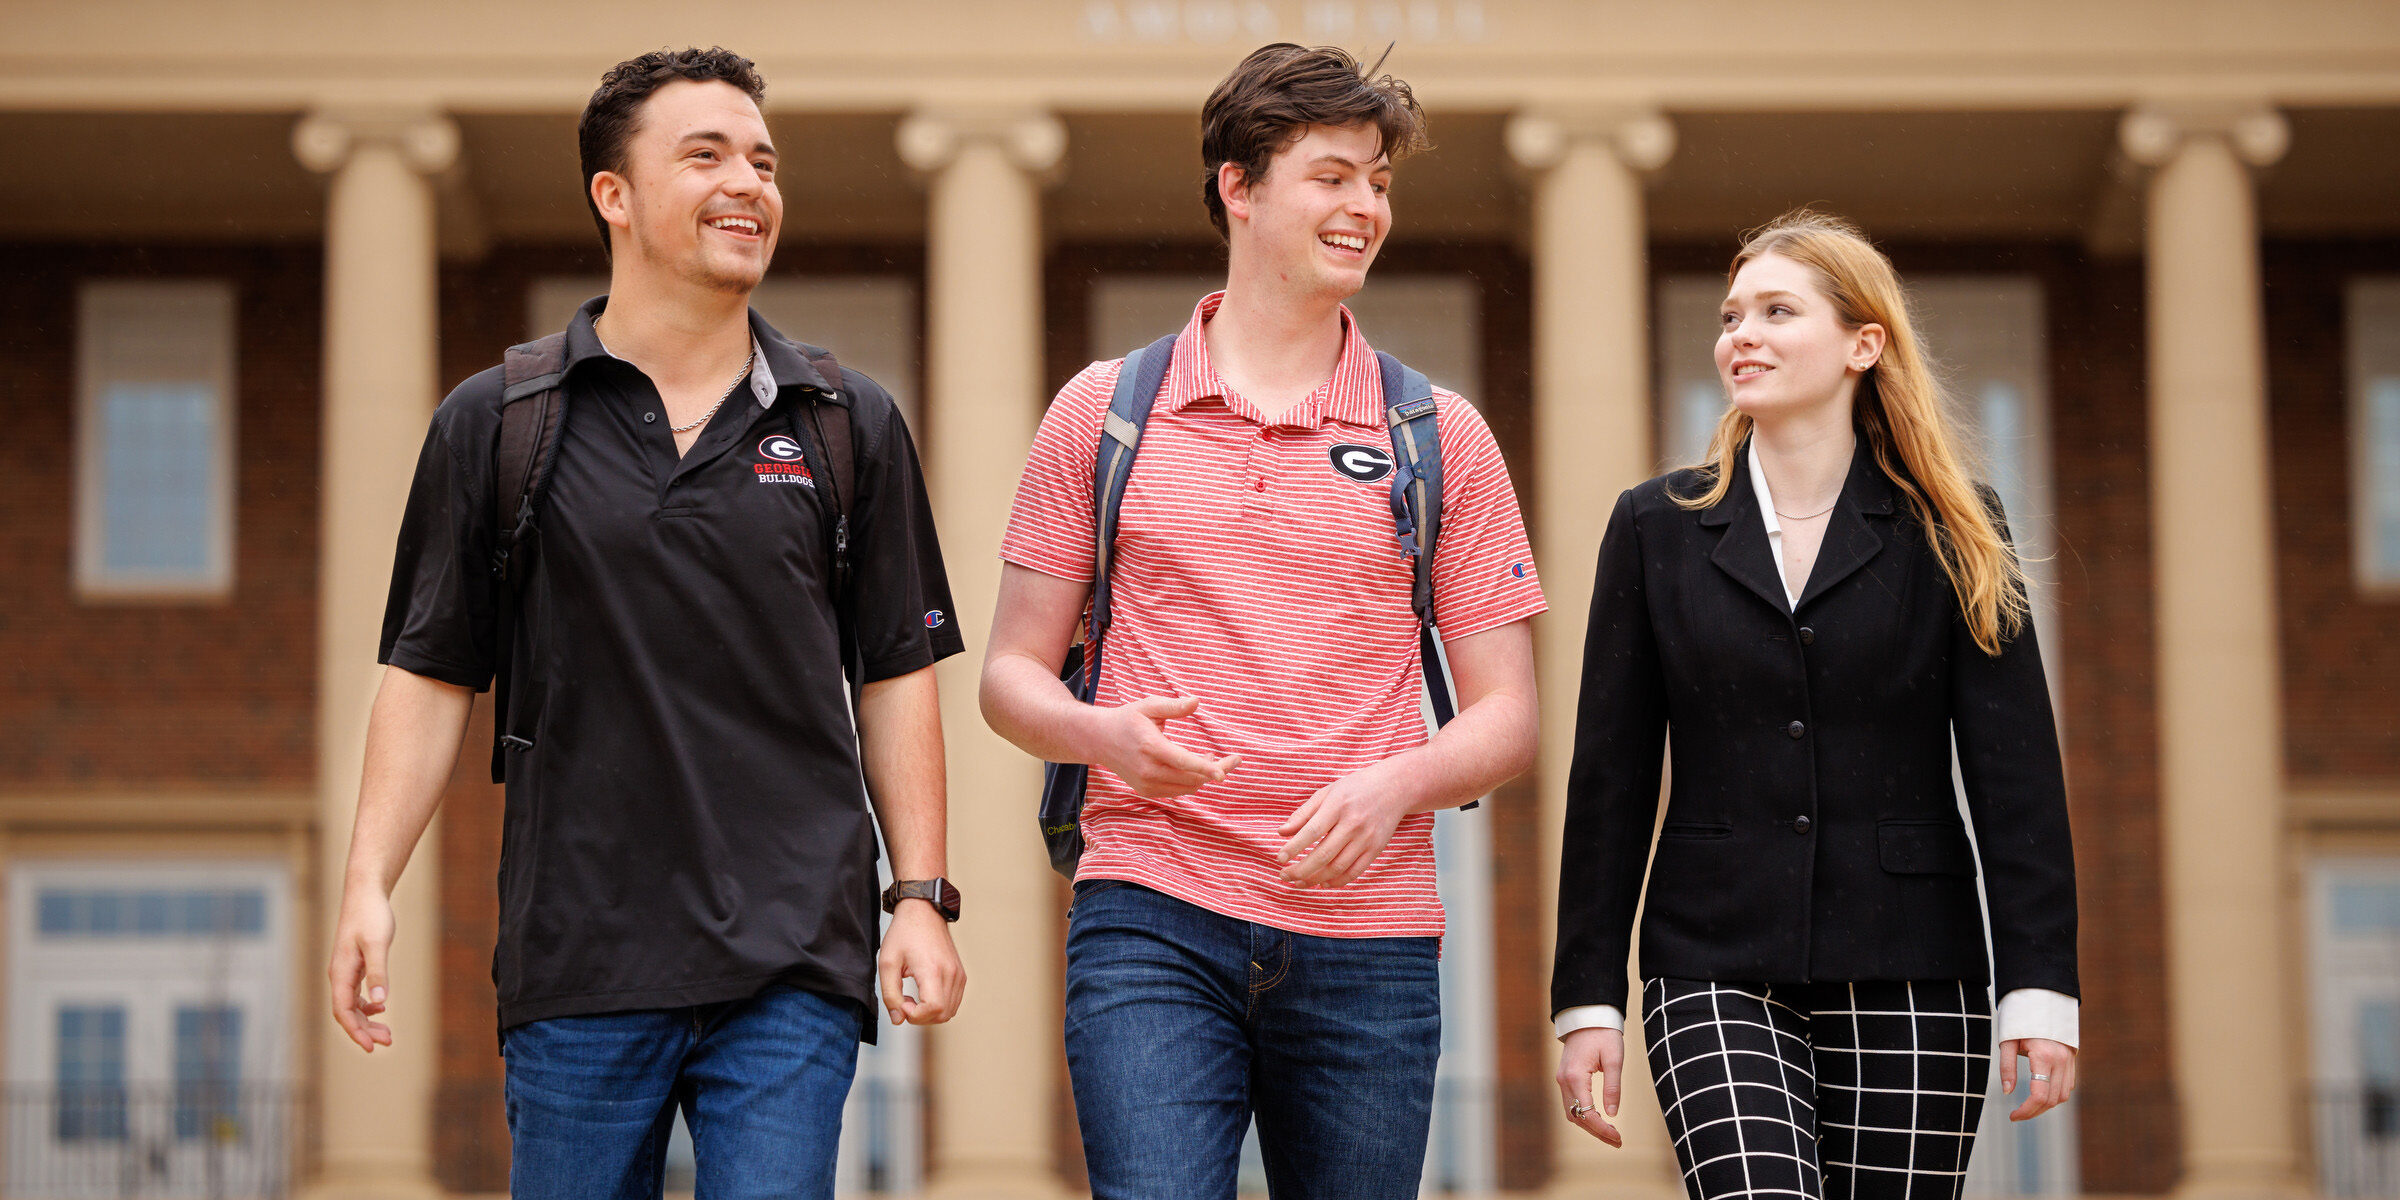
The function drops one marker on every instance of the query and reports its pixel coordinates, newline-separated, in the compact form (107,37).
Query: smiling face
(1313,222)
(1782,349)
(697,199)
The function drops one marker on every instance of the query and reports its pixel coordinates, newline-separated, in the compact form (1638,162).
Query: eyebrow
(716,138)
(1380,164)
(1770,294)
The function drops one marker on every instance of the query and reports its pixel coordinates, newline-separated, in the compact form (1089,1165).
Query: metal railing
(2358,1140)
(217,1142)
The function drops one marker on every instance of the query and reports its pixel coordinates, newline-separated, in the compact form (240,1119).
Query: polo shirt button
(649,418)
(1259,484)
(1796,729)
(1808,637)
(1800,823)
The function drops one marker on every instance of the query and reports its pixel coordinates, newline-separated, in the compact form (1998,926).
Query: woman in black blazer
(1814,614)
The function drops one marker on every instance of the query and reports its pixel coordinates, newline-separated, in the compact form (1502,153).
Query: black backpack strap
(533,411)
(830,421)
(1411,414)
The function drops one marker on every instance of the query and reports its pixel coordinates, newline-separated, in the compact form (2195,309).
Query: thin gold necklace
(1812,516)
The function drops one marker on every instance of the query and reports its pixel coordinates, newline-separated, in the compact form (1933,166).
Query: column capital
(1641,136)
(1035,141)
(325,140)
(2153,132)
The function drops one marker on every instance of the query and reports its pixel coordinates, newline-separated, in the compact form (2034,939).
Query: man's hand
(2053,1074)
(918,947)
(1134,747)
(1588,1052)
(1348,822)
(362,943)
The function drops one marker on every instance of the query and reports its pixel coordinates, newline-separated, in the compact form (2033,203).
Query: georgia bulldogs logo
(1365,464)
(782,462)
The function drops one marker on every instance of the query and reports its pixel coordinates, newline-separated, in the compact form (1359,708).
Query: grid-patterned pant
(1828,1091)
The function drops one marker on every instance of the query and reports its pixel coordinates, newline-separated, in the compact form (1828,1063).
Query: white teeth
(1346,241)
(1750,369)
(744,224)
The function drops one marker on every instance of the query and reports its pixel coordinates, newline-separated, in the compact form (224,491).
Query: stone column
(375,1112)
(992,1099)
(1592,426)
(2238,1081)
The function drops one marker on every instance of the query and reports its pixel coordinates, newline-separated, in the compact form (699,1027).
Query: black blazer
(1813,831)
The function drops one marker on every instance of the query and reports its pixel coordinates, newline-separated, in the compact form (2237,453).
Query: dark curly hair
(1271,99)
(610,116)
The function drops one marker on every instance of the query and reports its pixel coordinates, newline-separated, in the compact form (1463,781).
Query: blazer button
(1808,637)
(1800,823)
(1796,729)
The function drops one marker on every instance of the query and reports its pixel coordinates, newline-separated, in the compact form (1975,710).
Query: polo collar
(1353,395)
(786,365)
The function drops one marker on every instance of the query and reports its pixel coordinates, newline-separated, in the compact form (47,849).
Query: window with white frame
(1432,322)
(1987,335)
(2354,970)
(154,510)
(2374,309)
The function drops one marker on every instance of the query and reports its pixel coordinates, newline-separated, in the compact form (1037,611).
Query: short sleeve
(1483,574)
(438,620)
(1050,524)
(902,614)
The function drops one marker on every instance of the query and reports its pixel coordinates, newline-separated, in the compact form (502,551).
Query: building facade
(245,249)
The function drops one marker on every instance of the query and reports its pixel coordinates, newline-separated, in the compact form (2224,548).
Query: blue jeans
(1183,1024)
(591,1100)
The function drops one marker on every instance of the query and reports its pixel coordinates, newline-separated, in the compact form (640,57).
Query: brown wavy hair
(1899,413)
(614,111)
(1272,98)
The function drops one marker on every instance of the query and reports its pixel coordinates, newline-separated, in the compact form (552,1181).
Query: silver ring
(1576,1111)
(2040,1078)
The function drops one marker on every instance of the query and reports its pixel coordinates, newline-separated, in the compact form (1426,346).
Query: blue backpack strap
(1138,381)
(1410,412)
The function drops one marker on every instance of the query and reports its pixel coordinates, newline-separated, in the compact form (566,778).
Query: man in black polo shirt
(687,880)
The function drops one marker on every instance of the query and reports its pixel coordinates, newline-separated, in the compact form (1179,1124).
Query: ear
(1233,187)
(612,194)
(1867,348)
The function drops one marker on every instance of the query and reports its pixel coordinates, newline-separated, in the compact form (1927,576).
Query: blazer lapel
(1743,551)
(1849,540)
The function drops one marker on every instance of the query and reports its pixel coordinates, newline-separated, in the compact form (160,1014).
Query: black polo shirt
(689,824)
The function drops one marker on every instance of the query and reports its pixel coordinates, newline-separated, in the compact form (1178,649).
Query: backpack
(533,416)
(1416,492)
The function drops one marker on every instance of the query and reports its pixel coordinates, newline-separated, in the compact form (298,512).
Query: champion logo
(1517,569)
(1365,464)
(779,447)
(934,619)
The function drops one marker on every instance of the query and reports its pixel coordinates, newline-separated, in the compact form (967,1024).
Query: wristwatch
(936,889)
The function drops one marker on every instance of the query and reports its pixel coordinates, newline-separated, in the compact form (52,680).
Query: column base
(997,1182)
(2238,1184)
(371,1185)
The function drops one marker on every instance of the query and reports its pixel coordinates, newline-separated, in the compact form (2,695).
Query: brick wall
(2341,648)
(221,691)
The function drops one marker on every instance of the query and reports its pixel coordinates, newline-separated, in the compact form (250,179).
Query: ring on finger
(1576,1110)
(2038,1077)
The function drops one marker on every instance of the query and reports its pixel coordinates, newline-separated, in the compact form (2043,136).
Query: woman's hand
(2053,1074)
(1589,1052)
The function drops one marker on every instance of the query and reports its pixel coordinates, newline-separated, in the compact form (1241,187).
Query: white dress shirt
(2023,1013)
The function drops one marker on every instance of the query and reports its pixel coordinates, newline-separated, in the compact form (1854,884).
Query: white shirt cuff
(1587,1016)
(2035,1013)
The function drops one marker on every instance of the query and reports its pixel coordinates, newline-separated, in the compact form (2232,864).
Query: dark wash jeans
(592,1100)
(1182,1024)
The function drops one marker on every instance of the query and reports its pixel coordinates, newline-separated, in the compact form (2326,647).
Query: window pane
(91,1073)
(208,1072)
(157,487)
(2382,485)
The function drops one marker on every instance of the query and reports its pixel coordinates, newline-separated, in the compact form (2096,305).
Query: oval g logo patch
(1365,464)
(779,447)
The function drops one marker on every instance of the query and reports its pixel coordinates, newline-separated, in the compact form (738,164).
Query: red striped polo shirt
(1255,575)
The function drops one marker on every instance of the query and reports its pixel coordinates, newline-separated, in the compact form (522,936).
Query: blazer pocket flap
(1695,830)
(1924,848)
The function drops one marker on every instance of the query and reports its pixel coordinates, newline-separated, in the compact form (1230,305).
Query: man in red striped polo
(1255,928)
